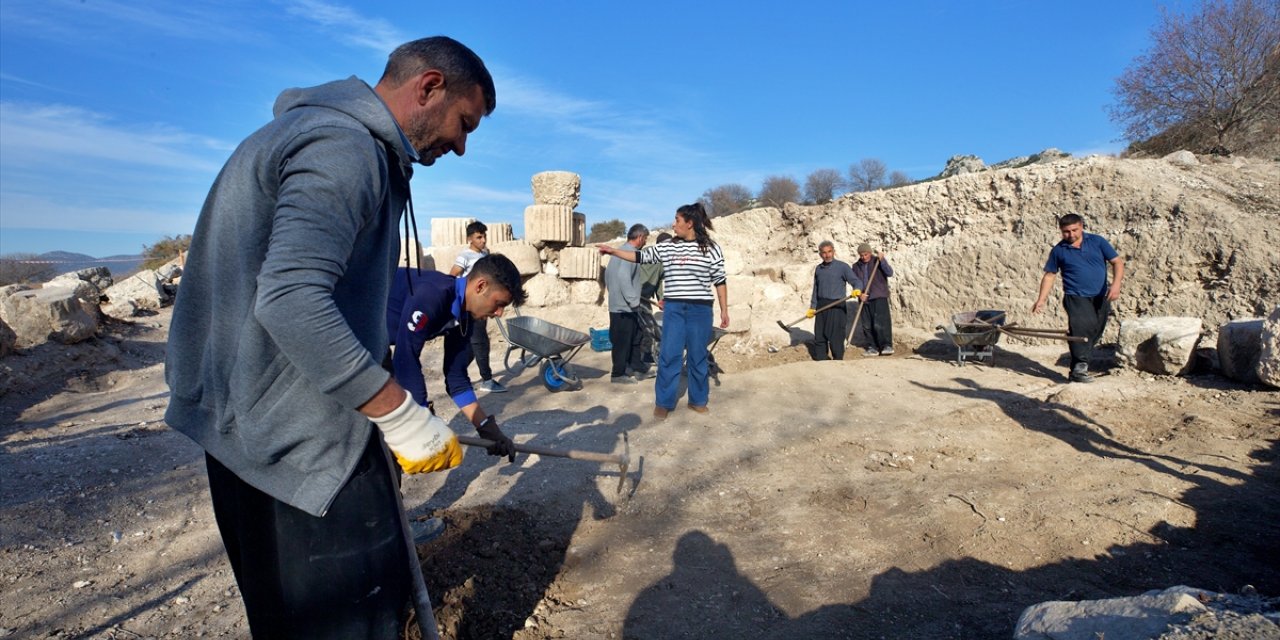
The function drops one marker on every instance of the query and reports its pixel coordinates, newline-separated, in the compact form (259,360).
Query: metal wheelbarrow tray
(975,333)
(550,344)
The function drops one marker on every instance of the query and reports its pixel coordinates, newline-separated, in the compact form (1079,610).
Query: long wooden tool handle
(865,291)
(473,441)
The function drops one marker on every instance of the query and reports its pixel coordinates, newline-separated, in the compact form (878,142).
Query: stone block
(411,254)
(740,316)
(8,339)
(548,223)
(500,232)
(1239,349)
(1159,345)
(734,263)
(449,231)
(586,292)
(139,293)
(51,313)
(443,257)
(1269,352)
(579,230)
(557,188)
(523,254)
(579,263)
(546,291)
(1145,616)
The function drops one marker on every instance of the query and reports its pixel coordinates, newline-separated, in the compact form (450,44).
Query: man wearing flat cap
(875,324)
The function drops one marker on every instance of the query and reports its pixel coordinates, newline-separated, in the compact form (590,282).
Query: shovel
(623,460)
(787,327)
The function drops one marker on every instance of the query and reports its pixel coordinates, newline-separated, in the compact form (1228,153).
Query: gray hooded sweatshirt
(280,322)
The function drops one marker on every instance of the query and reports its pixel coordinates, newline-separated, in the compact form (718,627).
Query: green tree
(1207,70)
(166,249)
(779,190)
(607,230)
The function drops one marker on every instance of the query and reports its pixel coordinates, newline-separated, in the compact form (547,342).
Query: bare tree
(898,179)
(866,174)
(779,190)
(23,268)
(821,186)
(1207,70)
(726,199)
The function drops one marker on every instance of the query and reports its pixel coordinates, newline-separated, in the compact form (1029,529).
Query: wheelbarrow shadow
(942,349)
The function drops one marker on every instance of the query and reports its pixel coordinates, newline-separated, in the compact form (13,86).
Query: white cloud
(348,25)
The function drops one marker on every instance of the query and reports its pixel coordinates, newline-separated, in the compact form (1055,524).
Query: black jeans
(829,328)
(1086,316)
(624,333)
(480,347)
(344,575)
(876,324)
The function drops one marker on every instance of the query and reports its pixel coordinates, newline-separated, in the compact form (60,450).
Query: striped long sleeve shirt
(688,273)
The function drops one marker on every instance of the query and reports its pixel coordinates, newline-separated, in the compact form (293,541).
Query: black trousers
(480,347)
(624,333)
(876,324)
(829,328)
(1086,316)
(345,575)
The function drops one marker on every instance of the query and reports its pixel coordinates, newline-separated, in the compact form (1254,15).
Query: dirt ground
(893,497)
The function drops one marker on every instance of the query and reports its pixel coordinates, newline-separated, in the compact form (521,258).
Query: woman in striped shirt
(692,265)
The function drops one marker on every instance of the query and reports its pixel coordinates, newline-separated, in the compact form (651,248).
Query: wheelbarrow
(975,334)
(546,345)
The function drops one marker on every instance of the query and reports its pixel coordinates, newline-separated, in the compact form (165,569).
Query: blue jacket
(434,309)
(279,328)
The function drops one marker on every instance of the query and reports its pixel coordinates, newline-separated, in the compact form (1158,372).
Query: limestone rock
(960,165)
(8,339)
(523,254)
(449,231)
(85,289)
(1144,616)
(579,230)
(51,313)
(142,292)
(1239,348)
(546,291)
(586,292)
(579,263)
(500,232)
(1182,158)
(1269,354)
(548,223)
(557,188)
(734,263)
(740,316)
(1160,345)
(411,254)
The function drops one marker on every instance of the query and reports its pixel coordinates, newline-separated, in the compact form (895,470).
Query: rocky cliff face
(1199,238)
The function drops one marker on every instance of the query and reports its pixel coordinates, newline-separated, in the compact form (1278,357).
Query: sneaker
(641,375)
(661,412)
(491,386)
(622,380)
(1080,373)
(699,408)
(887,351)
(425,531)
(870,351)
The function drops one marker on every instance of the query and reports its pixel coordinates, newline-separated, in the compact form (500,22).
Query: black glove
(502,445)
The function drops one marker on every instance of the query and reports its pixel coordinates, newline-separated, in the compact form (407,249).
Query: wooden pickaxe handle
(815,312)
(622,460)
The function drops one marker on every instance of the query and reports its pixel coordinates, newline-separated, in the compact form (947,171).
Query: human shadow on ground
(1231,545)
(494,564)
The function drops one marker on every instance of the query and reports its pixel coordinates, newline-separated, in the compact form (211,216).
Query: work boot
(1080,373)
(660,413)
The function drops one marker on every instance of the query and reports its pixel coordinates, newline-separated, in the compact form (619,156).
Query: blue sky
(116,116)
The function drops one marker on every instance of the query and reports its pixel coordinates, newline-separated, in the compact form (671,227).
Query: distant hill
(67,261)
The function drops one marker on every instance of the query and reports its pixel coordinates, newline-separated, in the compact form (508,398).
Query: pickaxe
(623,460)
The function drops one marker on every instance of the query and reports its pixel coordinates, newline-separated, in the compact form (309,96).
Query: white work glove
(421,441)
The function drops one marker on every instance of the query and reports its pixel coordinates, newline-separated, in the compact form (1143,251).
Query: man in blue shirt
(425,305)
(1082,258)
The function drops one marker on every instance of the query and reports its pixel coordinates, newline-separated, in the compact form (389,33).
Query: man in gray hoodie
(279,329)
(622,281)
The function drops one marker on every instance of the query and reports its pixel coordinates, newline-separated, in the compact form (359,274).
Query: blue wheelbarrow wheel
(557,376)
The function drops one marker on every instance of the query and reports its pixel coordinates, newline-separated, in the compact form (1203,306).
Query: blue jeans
(686,329)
